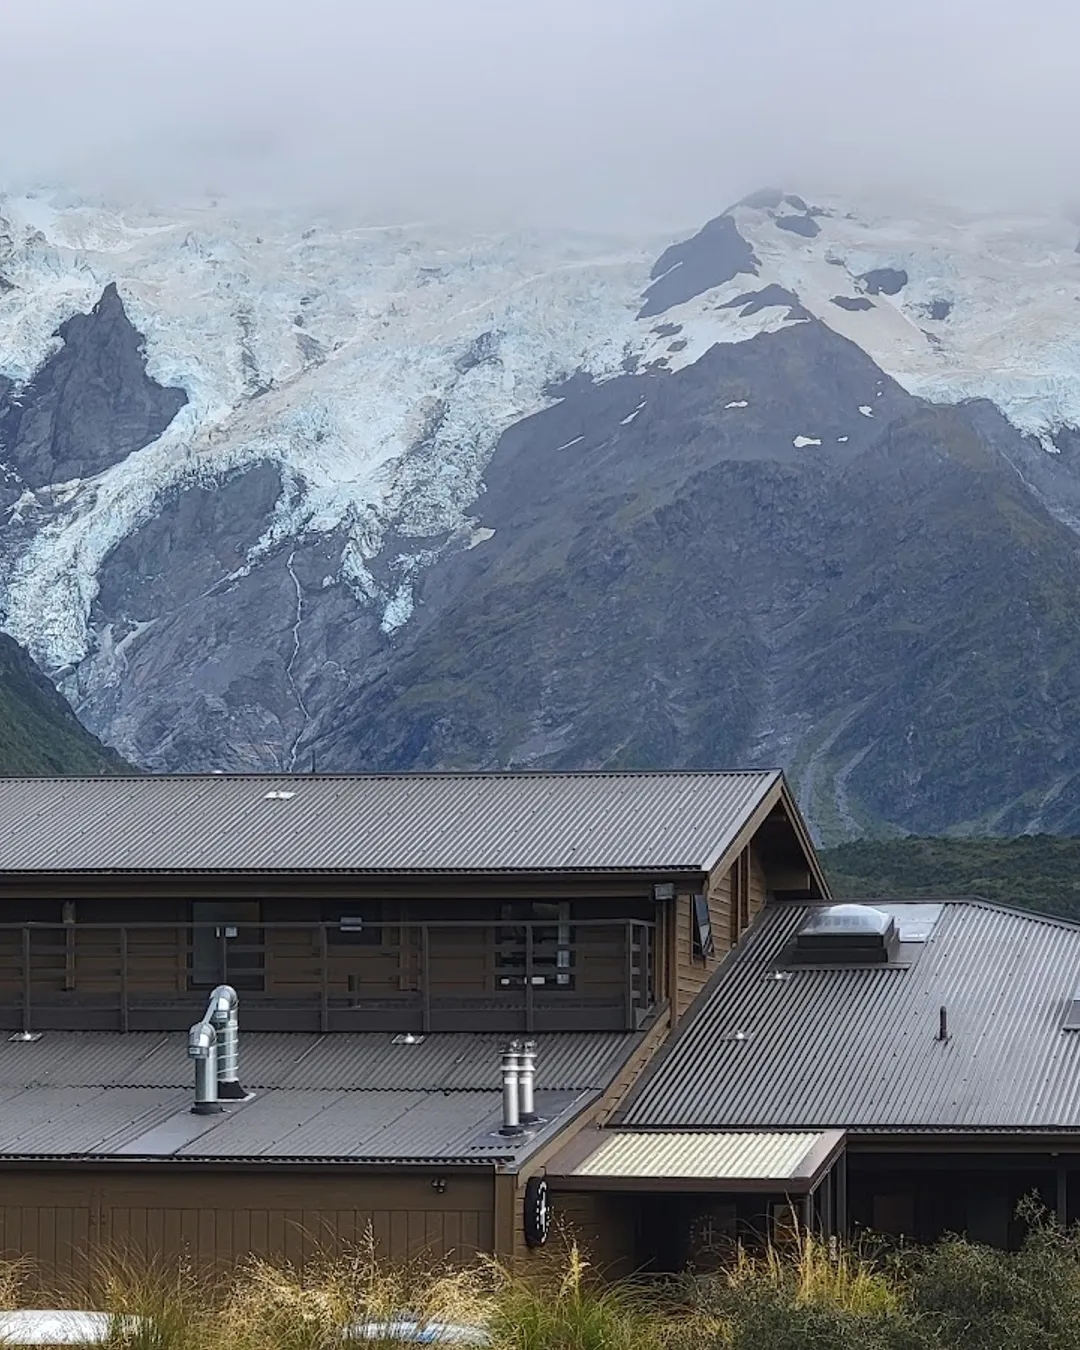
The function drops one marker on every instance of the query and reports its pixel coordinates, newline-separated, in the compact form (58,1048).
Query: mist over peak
(618,113)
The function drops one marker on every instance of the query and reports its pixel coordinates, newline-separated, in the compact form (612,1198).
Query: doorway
(227,944)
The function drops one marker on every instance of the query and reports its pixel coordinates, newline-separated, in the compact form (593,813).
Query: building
(386,935)
(910,1068)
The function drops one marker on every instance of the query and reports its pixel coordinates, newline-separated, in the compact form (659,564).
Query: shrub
(978,1297)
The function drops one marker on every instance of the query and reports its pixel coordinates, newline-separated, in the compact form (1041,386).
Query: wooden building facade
(356,918)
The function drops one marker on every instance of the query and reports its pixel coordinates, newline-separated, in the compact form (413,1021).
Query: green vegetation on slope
(39,734)
(1038,871)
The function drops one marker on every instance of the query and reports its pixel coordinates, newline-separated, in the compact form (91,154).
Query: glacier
(378,364)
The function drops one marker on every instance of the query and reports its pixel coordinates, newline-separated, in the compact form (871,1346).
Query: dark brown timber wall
(735,897)
(66,1221)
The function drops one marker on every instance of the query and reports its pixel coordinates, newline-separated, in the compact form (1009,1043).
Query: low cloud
(603,113)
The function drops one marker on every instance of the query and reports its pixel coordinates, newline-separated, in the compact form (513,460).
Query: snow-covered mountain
(246,455)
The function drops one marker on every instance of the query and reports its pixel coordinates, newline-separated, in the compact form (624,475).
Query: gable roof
(344,1097)
(381,823)
(856,1048)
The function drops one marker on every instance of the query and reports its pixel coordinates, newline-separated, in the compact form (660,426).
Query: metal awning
(791,1161)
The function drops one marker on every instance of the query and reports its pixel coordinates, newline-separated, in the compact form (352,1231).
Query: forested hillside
(1040,871)
(39,734)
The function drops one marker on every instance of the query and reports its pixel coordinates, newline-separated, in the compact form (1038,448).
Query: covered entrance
(667,1200)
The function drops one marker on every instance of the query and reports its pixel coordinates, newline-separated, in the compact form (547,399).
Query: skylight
(847,935)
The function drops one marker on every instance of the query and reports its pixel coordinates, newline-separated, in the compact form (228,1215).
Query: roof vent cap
(847,935)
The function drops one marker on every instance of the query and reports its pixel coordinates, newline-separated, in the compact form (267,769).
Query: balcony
(403,976)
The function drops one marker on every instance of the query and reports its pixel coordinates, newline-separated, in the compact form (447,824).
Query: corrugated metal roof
(276,1125)
(851,1048)
(343,1096)
(566,1061)
(700,1154)
(499,822)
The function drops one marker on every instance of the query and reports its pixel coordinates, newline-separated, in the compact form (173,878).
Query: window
(552,944)
(703,937)
(354,923)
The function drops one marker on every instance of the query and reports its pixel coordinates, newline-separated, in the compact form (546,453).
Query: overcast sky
(611,113)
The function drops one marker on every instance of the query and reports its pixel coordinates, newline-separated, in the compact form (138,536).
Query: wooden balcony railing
(456,975)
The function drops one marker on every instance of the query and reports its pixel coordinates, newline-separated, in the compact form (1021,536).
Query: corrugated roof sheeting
(858,1047)
(401,1124)
(525,822)
(311,1125)
(349,1096)
(700,1154)
(566,1061)
(80,1121)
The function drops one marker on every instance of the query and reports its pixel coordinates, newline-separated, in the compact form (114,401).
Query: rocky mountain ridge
(798,489)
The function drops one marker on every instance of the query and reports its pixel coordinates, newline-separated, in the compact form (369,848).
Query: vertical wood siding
(693,971)
(65,1222)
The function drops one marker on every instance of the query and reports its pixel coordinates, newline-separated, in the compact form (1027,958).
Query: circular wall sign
(537,1212)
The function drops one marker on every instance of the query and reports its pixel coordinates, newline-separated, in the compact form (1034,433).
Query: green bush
(980,1298)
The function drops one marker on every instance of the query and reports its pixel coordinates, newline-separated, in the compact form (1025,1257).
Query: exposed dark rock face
(807,226)
(752,302)
(884,280)
(178,596)
(714,255)
(773,555)
(90,406)
(689,589)
(852,303)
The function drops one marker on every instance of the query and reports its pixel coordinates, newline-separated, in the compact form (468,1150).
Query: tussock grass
(269,1306)
(153,1304)
(568,1307)
(805,1294)
(14,1276)
(811,1272)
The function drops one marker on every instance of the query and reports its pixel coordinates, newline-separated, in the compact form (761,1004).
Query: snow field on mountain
(378,365)
(334,355)
(1013,332)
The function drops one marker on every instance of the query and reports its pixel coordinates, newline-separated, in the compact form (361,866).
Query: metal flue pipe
(202,1048)
(222,1012)
(510,1091)
(527,1084)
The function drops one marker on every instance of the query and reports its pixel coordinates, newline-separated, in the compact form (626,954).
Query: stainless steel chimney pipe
(202,1048)
(527,1084)
(510,1088)
(222,1012)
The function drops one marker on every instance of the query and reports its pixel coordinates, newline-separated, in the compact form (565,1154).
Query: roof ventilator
(214,1045)
(847,935)
(518,1088)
